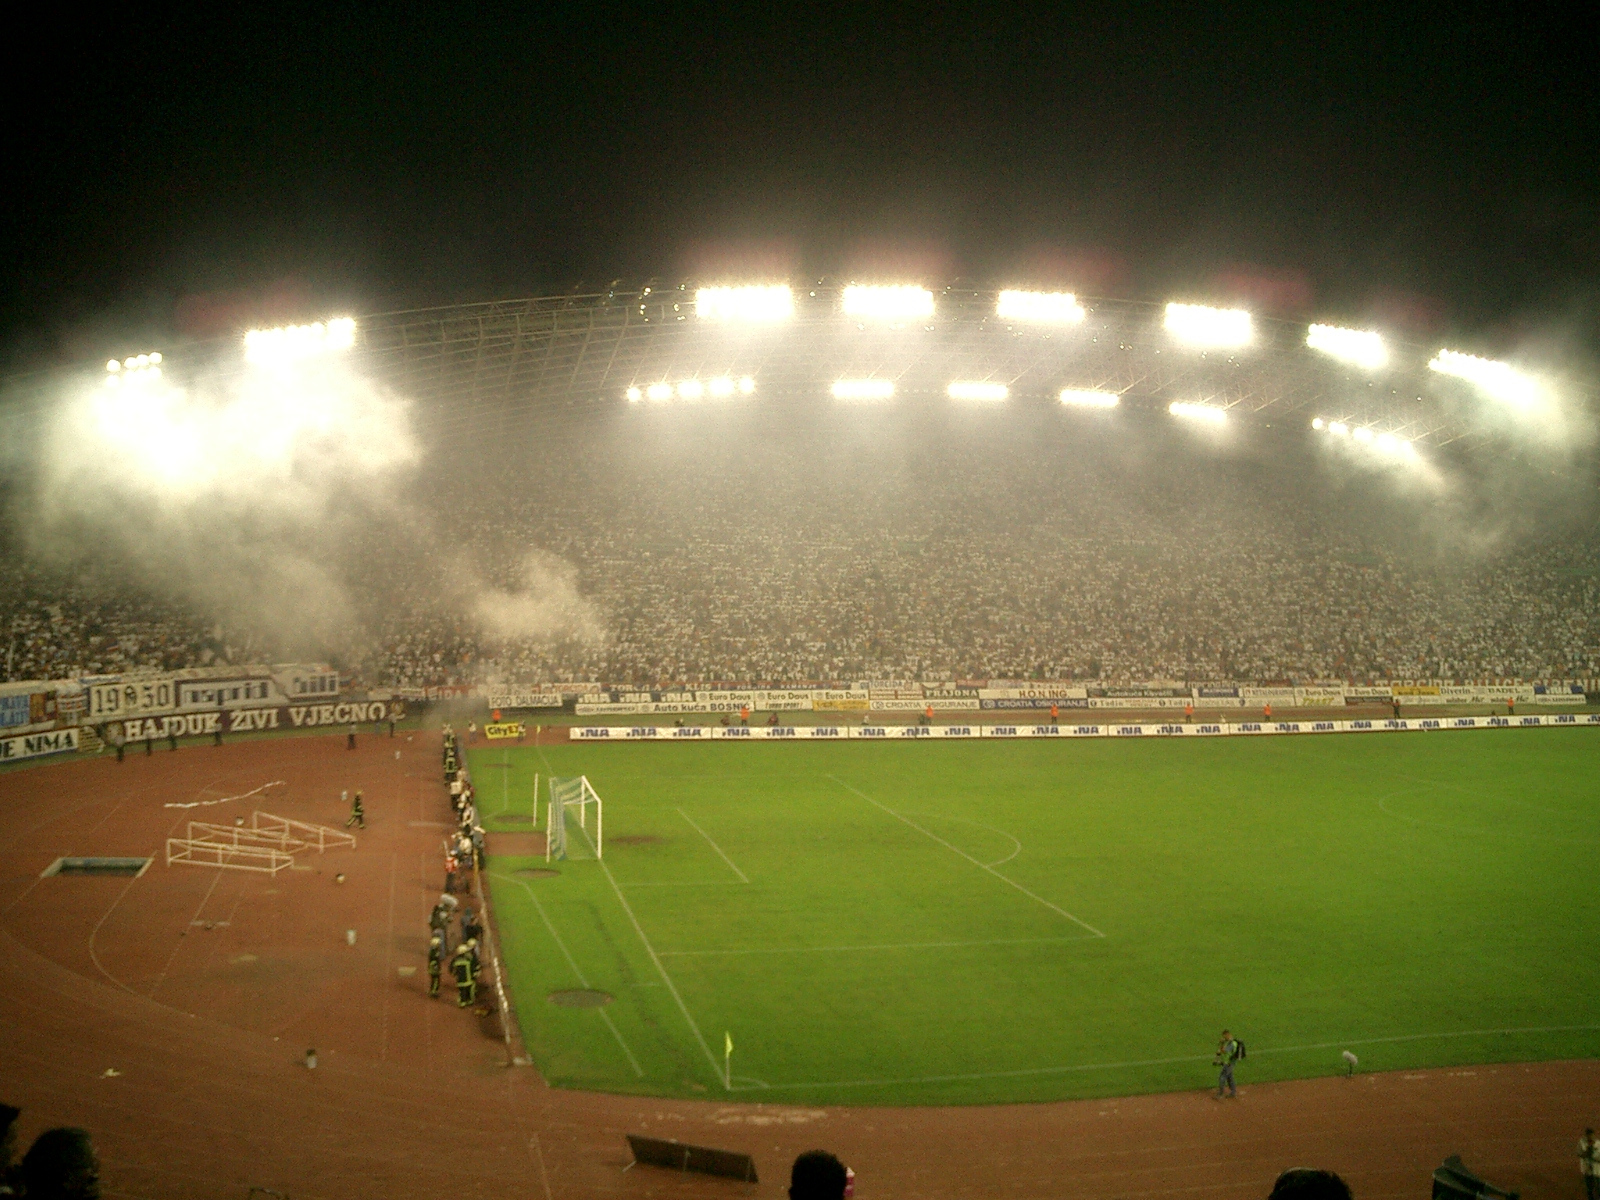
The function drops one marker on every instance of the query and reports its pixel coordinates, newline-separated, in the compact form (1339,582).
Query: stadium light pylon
(1038,308)
(863,389)
(1217,328)
(899,302)
(287,344)
(1360,347)
(1085,398)
(1497,380)
(755,304)
(968,389)
(1206,413)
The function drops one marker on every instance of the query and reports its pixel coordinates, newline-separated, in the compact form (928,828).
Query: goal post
(571,801)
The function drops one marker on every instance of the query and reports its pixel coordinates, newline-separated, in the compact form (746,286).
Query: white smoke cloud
(547,606)
(235,490)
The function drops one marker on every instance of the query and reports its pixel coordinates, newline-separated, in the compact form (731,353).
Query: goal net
(573,830)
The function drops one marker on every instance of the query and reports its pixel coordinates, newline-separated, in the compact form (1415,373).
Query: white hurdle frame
(234,858)
(310,837)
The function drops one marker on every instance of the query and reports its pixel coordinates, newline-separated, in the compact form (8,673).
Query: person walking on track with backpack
(1229,1051)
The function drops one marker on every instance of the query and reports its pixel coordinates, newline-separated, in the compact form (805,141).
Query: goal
(571,800)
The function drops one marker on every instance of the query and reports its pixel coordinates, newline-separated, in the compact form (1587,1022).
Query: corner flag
(727,1060)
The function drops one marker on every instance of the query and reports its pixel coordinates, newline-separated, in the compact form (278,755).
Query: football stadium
(1033,744)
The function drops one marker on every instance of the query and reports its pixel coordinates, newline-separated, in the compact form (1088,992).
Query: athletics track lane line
(571,962)
(980,865)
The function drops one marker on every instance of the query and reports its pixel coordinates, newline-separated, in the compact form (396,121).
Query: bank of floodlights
(1209,328)
(1358,347)
(1497,380)
(136,369)
(293,343)
(863,389)
(1083,398)
(1204,413)
(719,387)
(754,305)
(976,390)
(1367,438)
(888,304)
(1039,308)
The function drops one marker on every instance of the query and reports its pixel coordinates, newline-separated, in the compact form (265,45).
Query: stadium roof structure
(494,367)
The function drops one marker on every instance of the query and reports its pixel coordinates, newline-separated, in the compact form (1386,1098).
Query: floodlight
(863,389)
(634,395)
(1339,429)
(888,303)
(1360,347)
(113,366)
(752,305)
(691,389)
(1318,423)
(291,343)
(1498,380)
(659,391)
(155,357)
(1088,399)
(747,385)
(1039,308)
(1202,326)
(1198,412)
(972,390)
(720,386)
(1363,434)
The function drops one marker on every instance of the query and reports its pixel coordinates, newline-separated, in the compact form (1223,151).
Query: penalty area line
(982,866)
(576,970)
(713,845)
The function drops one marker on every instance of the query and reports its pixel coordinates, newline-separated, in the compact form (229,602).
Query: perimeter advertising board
(36,745)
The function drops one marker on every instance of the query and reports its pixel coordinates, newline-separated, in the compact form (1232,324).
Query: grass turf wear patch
(981,923)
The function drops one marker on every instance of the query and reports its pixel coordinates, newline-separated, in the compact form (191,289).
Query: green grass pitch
(996,922)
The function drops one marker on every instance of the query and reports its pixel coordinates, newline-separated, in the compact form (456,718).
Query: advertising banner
(512,730)
(1037,691)
(1140,692)
(1139,701)
(109,700)
(255,720)
(36,745)
(524,699)
(226,693)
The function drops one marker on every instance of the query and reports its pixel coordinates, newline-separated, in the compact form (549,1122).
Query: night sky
(1437,171)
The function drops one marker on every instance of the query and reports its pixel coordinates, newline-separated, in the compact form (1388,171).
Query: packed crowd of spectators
(745,561)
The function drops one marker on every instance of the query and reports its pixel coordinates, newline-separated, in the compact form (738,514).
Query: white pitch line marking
(716,1067)
(713,845)
(577,971)
(982,866)
(889,946)
(1185,1058)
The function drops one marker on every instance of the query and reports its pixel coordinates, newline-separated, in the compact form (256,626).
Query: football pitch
(933,923)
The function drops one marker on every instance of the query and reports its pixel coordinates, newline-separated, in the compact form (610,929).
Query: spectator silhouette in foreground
(1306,1183)
(8,1148)
(61,1165)
(817,1175)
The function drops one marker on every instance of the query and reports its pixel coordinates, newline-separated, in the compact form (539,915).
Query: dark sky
(1435,169)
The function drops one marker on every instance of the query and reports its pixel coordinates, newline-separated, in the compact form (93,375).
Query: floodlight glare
(1498,380)
(747,385)
(691,389)
(1362,348)
(1363,434)
(720,386)
(1339,429)
(888,303)
(113,366)
(973,390)
(1198,412)
(1088,399)
(291,343)
(634,395)
(135,369)
(659,391)
(752,305)
(1039,308)
(1202,326)
(863,389)
(1318,423)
